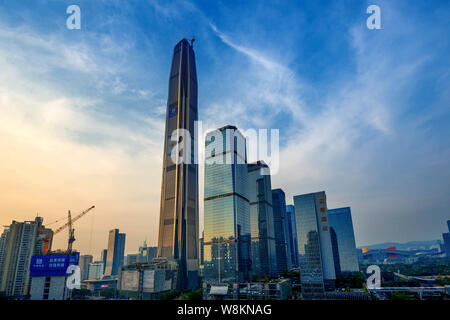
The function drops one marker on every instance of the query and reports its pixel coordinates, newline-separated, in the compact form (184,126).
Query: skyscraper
(341,224)
(178,222)
(226,235)
(19,243)
(314,244)
(280,228)
(116,250)
(104,257)
(446,237)
(292,236)
(261,220)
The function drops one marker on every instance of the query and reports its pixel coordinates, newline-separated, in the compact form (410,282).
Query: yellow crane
(48,236)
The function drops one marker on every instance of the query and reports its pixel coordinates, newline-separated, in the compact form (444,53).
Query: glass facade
(261,221)
(226,235)
(315,253)
(341,222)
(291,238)
(178,224)
(280,228)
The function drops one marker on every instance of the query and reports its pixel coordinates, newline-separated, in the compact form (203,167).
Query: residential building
(20,242)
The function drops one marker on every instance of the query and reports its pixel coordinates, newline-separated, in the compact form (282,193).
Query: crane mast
(69,224)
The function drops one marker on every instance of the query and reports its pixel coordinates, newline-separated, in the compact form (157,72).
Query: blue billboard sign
(52,265)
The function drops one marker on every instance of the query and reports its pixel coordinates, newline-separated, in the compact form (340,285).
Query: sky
(363,114)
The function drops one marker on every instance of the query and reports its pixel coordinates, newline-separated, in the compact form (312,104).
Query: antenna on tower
(192,41)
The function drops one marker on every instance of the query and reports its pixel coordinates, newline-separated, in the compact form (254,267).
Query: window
(322,209)
(324,219)
(325,228)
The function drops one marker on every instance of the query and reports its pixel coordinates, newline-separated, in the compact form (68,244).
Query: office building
(291,237)
(20,242)
(115,254)
(103,258)
(202,252)
(226,242)
(280,228)
(85,260)
(261,221)
(446,237)
(178,223)
(343,240)
(49,276)
(314,244)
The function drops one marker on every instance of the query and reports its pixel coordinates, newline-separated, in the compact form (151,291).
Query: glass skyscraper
(446,237)
(261,221)
(291,237)
(314,244)
(280,228)
(226,238)
(342,225)
(178,223)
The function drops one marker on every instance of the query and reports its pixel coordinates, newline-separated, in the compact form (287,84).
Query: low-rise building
(49,275)
(147,280)
(280,289)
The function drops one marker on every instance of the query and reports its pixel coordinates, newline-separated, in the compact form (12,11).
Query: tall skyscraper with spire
(178,222)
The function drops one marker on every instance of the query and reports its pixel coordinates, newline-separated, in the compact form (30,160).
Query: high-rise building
(280,228)
(292,236)
(314,244)
(202,252)
(341,224)
(3,242)
(103,258)
(446,237)
(116,250)
(226,209)
(84,266)
(20,243)
(178,222)
(261,220)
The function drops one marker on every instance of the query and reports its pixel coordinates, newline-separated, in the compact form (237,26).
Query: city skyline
(84,111)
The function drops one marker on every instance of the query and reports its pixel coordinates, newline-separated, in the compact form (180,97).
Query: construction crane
(46,237)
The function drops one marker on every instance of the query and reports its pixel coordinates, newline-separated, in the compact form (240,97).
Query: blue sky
(363,114)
